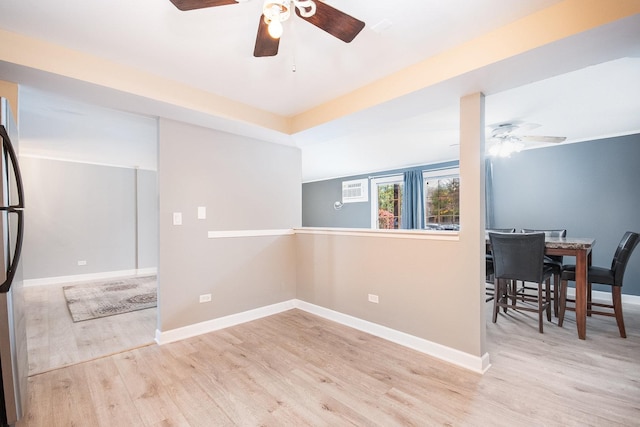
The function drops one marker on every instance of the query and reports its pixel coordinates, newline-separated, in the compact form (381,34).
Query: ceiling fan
(506,139)
(275,12)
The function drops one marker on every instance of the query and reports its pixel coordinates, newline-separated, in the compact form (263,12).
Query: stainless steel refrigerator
(14,364)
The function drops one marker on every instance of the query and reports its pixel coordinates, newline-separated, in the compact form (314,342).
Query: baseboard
(447,354)
(89,277)
(221,322)
(606,296)
(439,351)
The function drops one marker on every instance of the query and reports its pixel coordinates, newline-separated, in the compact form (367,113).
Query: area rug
(110,297)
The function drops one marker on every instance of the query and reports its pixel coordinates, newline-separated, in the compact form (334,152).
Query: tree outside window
(389,205)
(442,203)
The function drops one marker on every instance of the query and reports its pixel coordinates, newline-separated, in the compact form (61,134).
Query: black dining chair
(553,261)
(520,257)
(605,276)
(489,289)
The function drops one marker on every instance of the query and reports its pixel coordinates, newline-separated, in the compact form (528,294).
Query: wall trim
(84,162)
(439,351)
(365,232)
(448,164)
(249,233)
(447,354)
(89,277)
(392,234)
(221,322)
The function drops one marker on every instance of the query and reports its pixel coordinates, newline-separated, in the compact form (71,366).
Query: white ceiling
(587,92)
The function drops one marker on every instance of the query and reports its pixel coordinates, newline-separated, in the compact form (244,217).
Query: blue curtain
(413,201)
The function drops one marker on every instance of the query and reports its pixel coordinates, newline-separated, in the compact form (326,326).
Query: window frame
(427,174)
(432,174)
(374,181)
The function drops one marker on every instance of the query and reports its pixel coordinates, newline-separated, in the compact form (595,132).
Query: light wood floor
(295,369)
(54,340)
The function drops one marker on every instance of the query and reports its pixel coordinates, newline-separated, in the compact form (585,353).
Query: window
(441,200)
(386,198)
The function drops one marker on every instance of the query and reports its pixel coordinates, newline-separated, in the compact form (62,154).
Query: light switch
(202,212)
(177,218)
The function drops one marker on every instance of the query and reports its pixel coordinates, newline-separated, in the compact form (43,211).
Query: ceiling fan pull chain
(307,8)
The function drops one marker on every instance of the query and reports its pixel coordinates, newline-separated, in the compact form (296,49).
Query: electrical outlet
(373,298)
(177,218)
(202,212)
(82,262)
(205,298)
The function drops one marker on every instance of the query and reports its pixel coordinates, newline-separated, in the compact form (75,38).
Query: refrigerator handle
(8,149)
(11,271)
(13,209)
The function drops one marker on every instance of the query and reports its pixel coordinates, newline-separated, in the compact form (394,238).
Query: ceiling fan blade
(505,128)
(334,22)
(265,44)
(200,4)
(532,138)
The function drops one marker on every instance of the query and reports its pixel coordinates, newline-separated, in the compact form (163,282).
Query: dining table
(580,248)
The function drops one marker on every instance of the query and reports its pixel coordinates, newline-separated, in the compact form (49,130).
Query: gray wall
(245,184)
(318,198)
(77,211)
(317,206)
(147,195)
(590,188)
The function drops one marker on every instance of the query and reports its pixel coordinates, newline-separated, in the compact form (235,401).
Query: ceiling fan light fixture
(307,8)
(505,147)
(275,28)
(275,13)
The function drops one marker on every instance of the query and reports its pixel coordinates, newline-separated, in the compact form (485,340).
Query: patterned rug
(110,297)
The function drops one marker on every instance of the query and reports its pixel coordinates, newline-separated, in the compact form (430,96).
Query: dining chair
(605,276)
(520,257)
(553,261)
(489,289)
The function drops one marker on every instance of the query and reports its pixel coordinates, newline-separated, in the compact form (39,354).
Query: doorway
(91,221)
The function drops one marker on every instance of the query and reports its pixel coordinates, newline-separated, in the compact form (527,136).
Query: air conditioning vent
(355,191)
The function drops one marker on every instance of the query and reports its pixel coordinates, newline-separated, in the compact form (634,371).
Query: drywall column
(472,204)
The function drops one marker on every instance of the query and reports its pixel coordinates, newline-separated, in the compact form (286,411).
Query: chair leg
(541,302)
(488,291)
(589,299)
(547,299)
(563,302)
(556,282)
(504,296)
(496,295)
(616,293)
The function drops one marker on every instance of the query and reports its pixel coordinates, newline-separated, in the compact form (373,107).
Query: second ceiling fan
(505,138)
(275,12)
